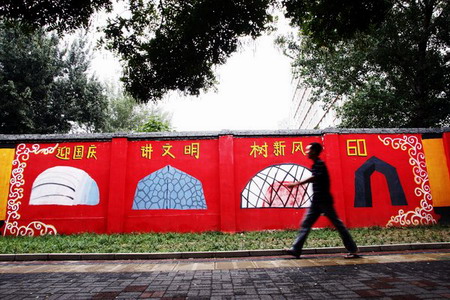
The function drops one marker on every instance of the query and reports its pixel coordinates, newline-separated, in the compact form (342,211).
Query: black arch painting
(363,189)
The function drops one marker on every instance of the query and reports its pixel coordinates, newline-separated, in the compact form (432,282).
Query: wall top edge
(14,138)
(387,130)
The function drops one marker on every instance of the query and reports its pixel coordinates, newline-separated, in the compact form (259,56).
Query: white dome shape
(63,185)
(267,190)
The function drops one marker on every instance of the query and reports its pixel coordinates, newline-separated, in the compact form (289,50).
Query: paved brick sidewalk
(390,280)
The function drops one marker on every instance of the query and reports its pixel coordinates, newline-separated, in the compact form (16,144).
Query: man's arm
(297,183)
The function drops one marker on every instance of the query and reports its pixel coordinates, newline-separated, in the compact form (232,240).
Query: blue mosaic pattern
(169,188)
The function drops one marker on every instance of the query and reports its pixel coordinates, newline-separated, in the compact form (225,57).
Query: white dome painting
(63,185)
(266,189)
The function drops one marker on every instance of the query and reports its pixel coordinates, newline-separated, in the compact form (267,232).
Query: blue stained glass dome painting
(169,188)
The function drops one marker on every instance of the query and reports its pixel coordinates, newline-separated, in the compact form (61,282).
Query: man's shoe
(292,252)
(352,255)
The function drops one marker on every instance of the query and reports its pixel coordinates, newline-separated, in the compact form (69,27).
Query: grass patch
(215,241)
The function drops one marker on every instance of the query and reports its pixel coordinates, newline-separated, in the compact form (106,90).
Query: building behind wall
(306,115)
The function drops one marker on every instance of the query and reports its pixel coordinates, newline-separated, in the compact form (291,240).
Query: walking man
(322,203)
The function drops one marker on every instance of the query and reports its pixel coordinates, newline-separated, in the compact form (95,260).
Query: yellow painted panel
(438,172)
(6,158)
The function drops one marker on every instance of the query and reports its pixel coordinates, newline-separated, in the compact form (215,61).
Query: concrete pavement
(215,254)
(411,274)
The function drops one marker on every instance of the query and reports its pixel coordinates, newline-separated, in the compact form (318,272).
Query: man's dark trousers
(314,212)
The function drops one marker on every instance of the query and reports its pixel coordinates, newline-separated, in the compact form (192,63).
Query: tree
(44,89)
(395,74)
(329,21)
(125,114)
(370,51)
(165,45)
(173,45)
(60,15)
(84,94)
(156,122)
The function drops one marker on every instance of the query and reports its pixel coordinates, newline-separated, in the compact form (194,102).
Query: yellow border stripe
(438,173)
(6,158)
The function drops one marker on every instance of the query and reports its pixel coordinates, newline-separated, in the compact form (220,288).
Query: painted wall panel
(255,155)
(187,170)
(404,153)
(46,214)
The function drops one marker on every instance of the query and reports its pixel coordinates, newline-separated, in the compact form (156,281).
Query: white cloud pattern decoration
(63,185)
(267,190)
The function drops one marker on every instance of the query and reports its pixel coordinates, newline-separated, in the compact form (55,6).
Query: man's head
(313,150)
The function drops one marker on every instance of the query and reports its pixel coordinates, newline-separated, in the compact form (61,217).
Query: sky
(254,92)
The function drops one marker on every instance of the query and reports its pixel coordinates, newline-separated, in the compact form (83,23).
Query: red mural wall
(224,182)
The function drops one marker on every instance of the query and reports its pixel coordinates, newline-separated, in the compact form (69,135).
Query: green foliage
(124,114)
(214,241)
(156,123)
(173,45)
(165,45)
(85,96)
(328,21)
(395,74)
(388,59)
(61,15)
(43,89)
